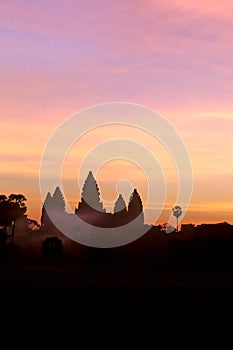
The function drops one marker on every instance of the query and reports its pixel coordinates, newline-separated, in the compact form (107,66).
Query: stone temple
(90,208)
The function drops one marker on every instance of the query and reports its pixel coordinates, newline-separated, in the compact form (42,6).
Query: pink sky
(175,56)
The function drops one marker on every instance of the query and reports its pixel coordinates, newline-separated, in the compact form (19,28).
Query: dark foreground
(86,308)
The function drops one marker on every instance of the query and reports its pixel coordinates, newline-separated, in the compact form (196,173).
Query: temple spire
(135,207)
(120,206)
(58,200)
(90,194)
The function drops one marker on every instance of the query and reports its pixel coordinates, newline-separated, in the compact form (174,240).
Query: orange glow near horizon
(20,173)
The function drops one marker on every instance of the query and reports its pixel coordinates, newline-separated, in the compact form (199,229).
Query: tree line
(11,208)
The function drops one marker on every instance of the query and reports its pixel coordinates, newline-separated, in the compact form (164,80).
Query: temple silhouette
(90,207)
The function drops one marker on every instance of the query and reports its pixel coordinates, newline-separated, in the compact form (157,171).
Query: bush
(52,249)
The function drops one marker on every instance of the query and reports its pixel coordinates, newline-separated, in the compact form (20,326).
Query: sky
(174,56)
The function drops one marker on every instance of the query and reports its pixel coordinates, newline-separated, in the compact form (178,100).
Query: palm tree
(177,211)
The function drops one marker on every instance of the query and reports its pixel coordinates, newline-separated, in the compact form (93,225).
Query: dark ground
(83,307)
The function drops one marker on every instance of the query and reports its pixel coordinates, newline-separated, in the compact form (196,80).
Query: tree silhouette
(52,249)
(135,207)
(11,209)
(5,219)
(33,225)
(177,211)
(17,209)
(167,228)
(3,198)
(5,210)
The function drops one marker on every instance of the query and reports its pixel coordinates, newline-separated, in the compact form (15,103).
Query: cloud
(19,157)
(91,52)
(218,115)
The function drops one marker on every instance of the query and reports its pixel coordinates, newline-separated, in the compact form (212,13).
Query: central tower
(90,197)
